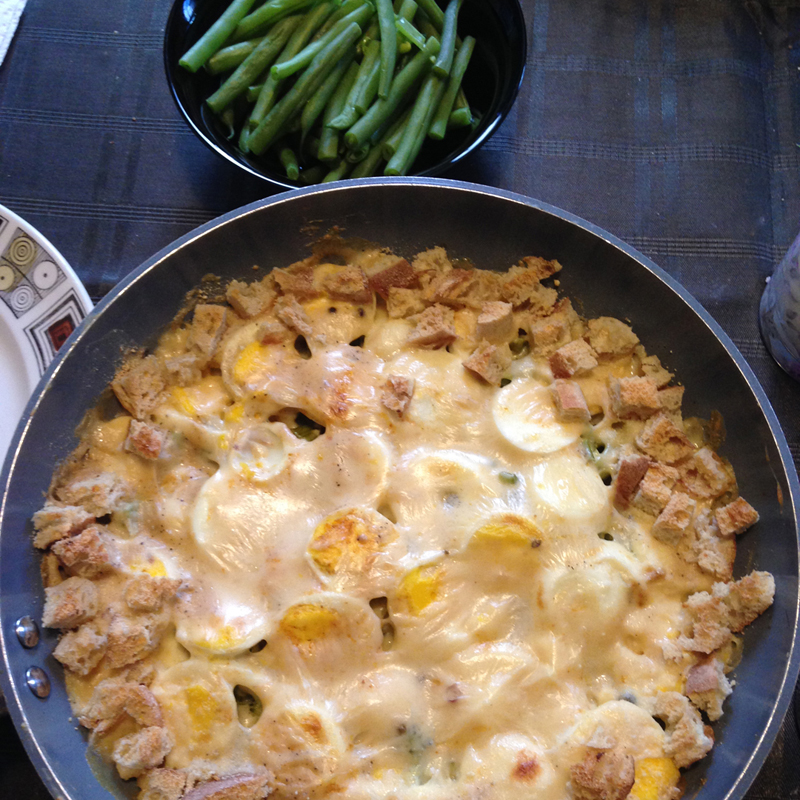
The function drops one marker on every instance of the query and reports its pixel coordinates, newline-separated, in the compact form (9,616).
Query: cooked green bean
(382,109)
(319,100)
(328,148)
(448,41)
(253,92)
(270,127)
(421,114)
(267,14)
(347,7)
(370,88)
(434,12)
(369,166)
(286,68)
(461,115)
(297,41)
(313,174)
(395,135)
(264,54)
(213,39)
(289,161)
(230,57)
(408,30)
(386,19)
(338,172)
(460,62)
(348,114)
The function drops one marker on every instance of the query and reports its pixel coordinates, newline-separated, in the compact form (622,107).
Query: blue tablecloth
(674,124)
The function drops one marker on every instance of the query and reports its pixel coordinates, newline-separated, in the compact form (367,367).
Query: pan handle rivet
(27,631)
(38,682)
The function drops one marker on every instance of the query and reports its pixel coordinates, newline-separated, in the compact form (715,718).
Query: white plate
(41,302)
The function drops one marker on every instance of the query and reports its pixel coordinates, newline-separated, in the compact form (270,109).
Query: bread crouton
(748,598)
(139,385)
(570,403)
(435,328)
(542,301)
(656,488)
(297,282)
(399,275)
(137,752)
(451,287)
(603,775)
(292,315)
(145,440)
(574,358)
(485,288)
(631,470)
(184,369)
(57,521)
(687,739)
(662,439)
(489,362)
(205,332)
(541,267)
(671,398)
(714,554)
(736,517)
(397,393)
(146,593)
(114,698)
(132,638)
(495,323)
(249,300)
(633,398)
(50,570)
(522,281)
(705,475)
(251,786)
(673,522)
(99,493)
(161,784)
(401,303)
(81,651)
(69,604)
(430,264)
(650,367)
(349,284)
(611,338)
(89,554)
(271,331)
(707,687)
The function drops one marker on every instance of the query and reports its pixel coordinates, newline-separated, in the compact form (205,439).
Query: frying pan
(495,229)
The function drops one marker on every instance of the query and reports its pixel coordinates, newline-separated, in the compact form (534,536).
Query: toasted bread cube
(399,275)
(633,398)
(570,402)
(145,440)
(489,362)
(610,337)
(297,282)
(349,284)
(137,752)
(673,522)
(50,569)
(435,328)
(397,393)
(748,598)
(208,325)
(99,493)
(139,385)
(662,439)
(402,302)
(249,300)
(81,651)
(235,787)
(272,331)
(496,322)
(184,369)
(549,334)
(293,316)
(146,593)
(521,282)
(655,489)
(161,784)
(650,367)
(575,358)
(451,287)
(130,639)
(56,521)
(631,470)
(687,739)
(69,604)
(89,554)
(707,687)
(603,775)
(736,517)
(430,264)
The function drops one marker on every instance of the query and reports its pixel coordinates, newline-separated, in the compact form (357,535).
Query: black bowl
(495,229)
(491,83)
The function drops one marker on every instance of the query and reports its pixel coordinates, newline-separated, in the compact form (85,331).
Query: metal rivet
(27,631)
(38,682)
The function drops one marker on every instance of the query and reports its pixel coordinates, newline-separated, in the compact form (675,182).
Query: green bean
(338,172)
(461,115)
(215,36)
(386,20)
(328,148)
(382,109)
(370,34)
(460,62)
(228,120)
(253,92)
(434,12)
(313,174)
(408,30)
(393,138)
(424,107)
(305,56)
(269,127)
(289,161)
(345,8)
(264,54)
(356,156)
(348,113)
(269,91)
(448,41)
(267,14)
(369,166)
(230,57)
(370,88)
(319,100)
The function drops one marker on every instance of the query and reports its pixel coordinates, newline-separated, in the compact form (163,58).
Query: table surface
(673,124)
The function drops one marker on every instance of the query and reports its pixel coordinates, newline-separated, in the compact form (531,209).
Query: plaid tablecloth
(674,124)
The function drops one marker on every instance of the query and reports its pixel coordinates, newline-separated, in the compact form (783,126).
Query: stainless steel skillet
(494,228)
